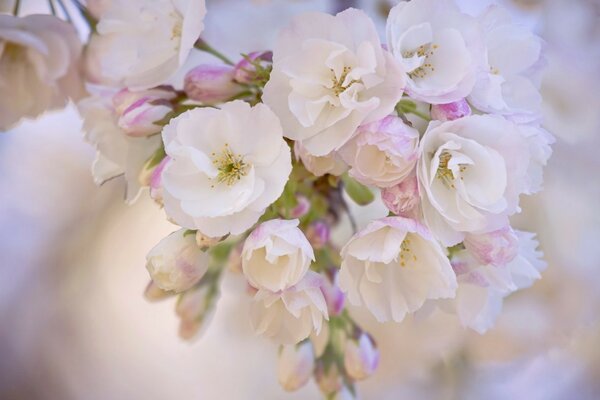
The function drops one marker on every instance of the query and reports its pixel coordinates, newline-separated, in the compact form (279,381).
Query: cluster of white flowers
(256,159)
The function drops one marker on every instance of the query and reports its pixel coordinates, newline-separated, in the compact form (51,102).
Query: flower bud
(334,297)
(318,234)
(402,198)
(295,365)
(302,207)
(450,111)
(194,309)
(320,340)
(176,263)
(155,182)
(245,71)
(497,248)
(361,357)
(328,378)
(154,293)
(138,112)
(276,255)
(211,83)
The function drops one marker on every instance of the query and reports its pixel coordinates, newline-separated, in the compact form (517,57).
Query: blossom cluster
(256,160)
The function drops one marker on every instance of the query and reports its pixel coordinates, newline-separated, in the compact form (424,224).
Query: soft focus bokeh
(74,323)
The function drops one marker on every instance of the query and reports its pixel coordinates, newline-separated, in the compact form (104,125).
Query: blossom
(227,166)
(403,198)
(276,255)
(330,75)
(139,111)
(497,248)
(483,287)
(472,171)
(439,48)
(195,309)
(176,263)
(394,265)
(450,111)
(295,365)
(289,316)
(211,83)
(511,80)
(144,42)
(116,152)
(320,165)
(382,153)
(361,357)
(39,66)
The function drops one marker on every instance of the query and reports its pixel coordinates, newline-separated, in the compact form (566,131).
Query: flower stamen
(338,86)
(231,166)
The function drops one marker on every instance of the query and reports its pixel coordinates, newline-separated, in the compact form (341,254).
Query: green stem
(203,46)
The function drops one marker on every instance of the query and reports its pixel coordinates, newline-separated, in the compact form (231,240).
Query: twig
(202,45)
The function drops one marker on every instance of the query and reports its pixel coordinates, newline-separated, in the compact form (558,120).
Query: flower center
(445,174)
(338,85)
(426,67)
(406,254)
(231,166)
(177,26)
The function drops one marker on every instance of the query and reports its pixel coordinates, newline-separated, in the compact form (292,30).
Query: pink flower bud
(318,234)
(244,71)
(295,365)
(334,297)
(156,190)
(361,357)
(302,208)
(138,111)
(328,379)
(497,248)
(402,198)
(450,111)
(194,309)
(211,83)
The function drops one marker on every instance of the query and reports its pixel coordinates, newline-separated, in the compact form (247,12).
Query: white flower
(320,165)
(117,153)
(439,47)
(394,265)
(329,76)
(39,66)
(289,316)
(511,81)
(146,41)
(382,153)
(176,263)
(472,171)
(227,166)
(276,255)
(482,288)
(295,365)
(139,111)
(361,357)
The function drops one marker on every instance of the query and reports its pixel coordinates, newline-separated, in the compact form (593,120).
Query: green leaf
(359,193)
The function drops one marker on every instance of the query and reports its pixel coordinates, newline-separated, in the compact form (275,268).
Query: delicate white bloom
(276,255)
(439,48)
(139,111)
(195,308)
(450,111)
(211,84)
(330,75)
(39,66)
(403,198)
(511,80)
(393,266)
(117,153)
(320,165)
(482,288)
(227,166)
(295,365)
(382,153)
(472,171)
(146,41)
(361,357)
(496,248)
(289,316)
(177,263)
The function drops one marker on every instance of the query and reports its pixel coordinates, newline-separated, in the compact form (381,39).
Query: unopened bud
(245,70)
(295,365)
(361,357)
(334,297)
(402,198)
(328,378)
(138,112)
(450,111)
(211,83)
(194,309)
(155,182)
(302,207)
(318,234)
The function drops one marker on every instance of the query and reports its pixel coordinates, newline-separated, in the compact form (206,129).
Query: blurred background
(74,323)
